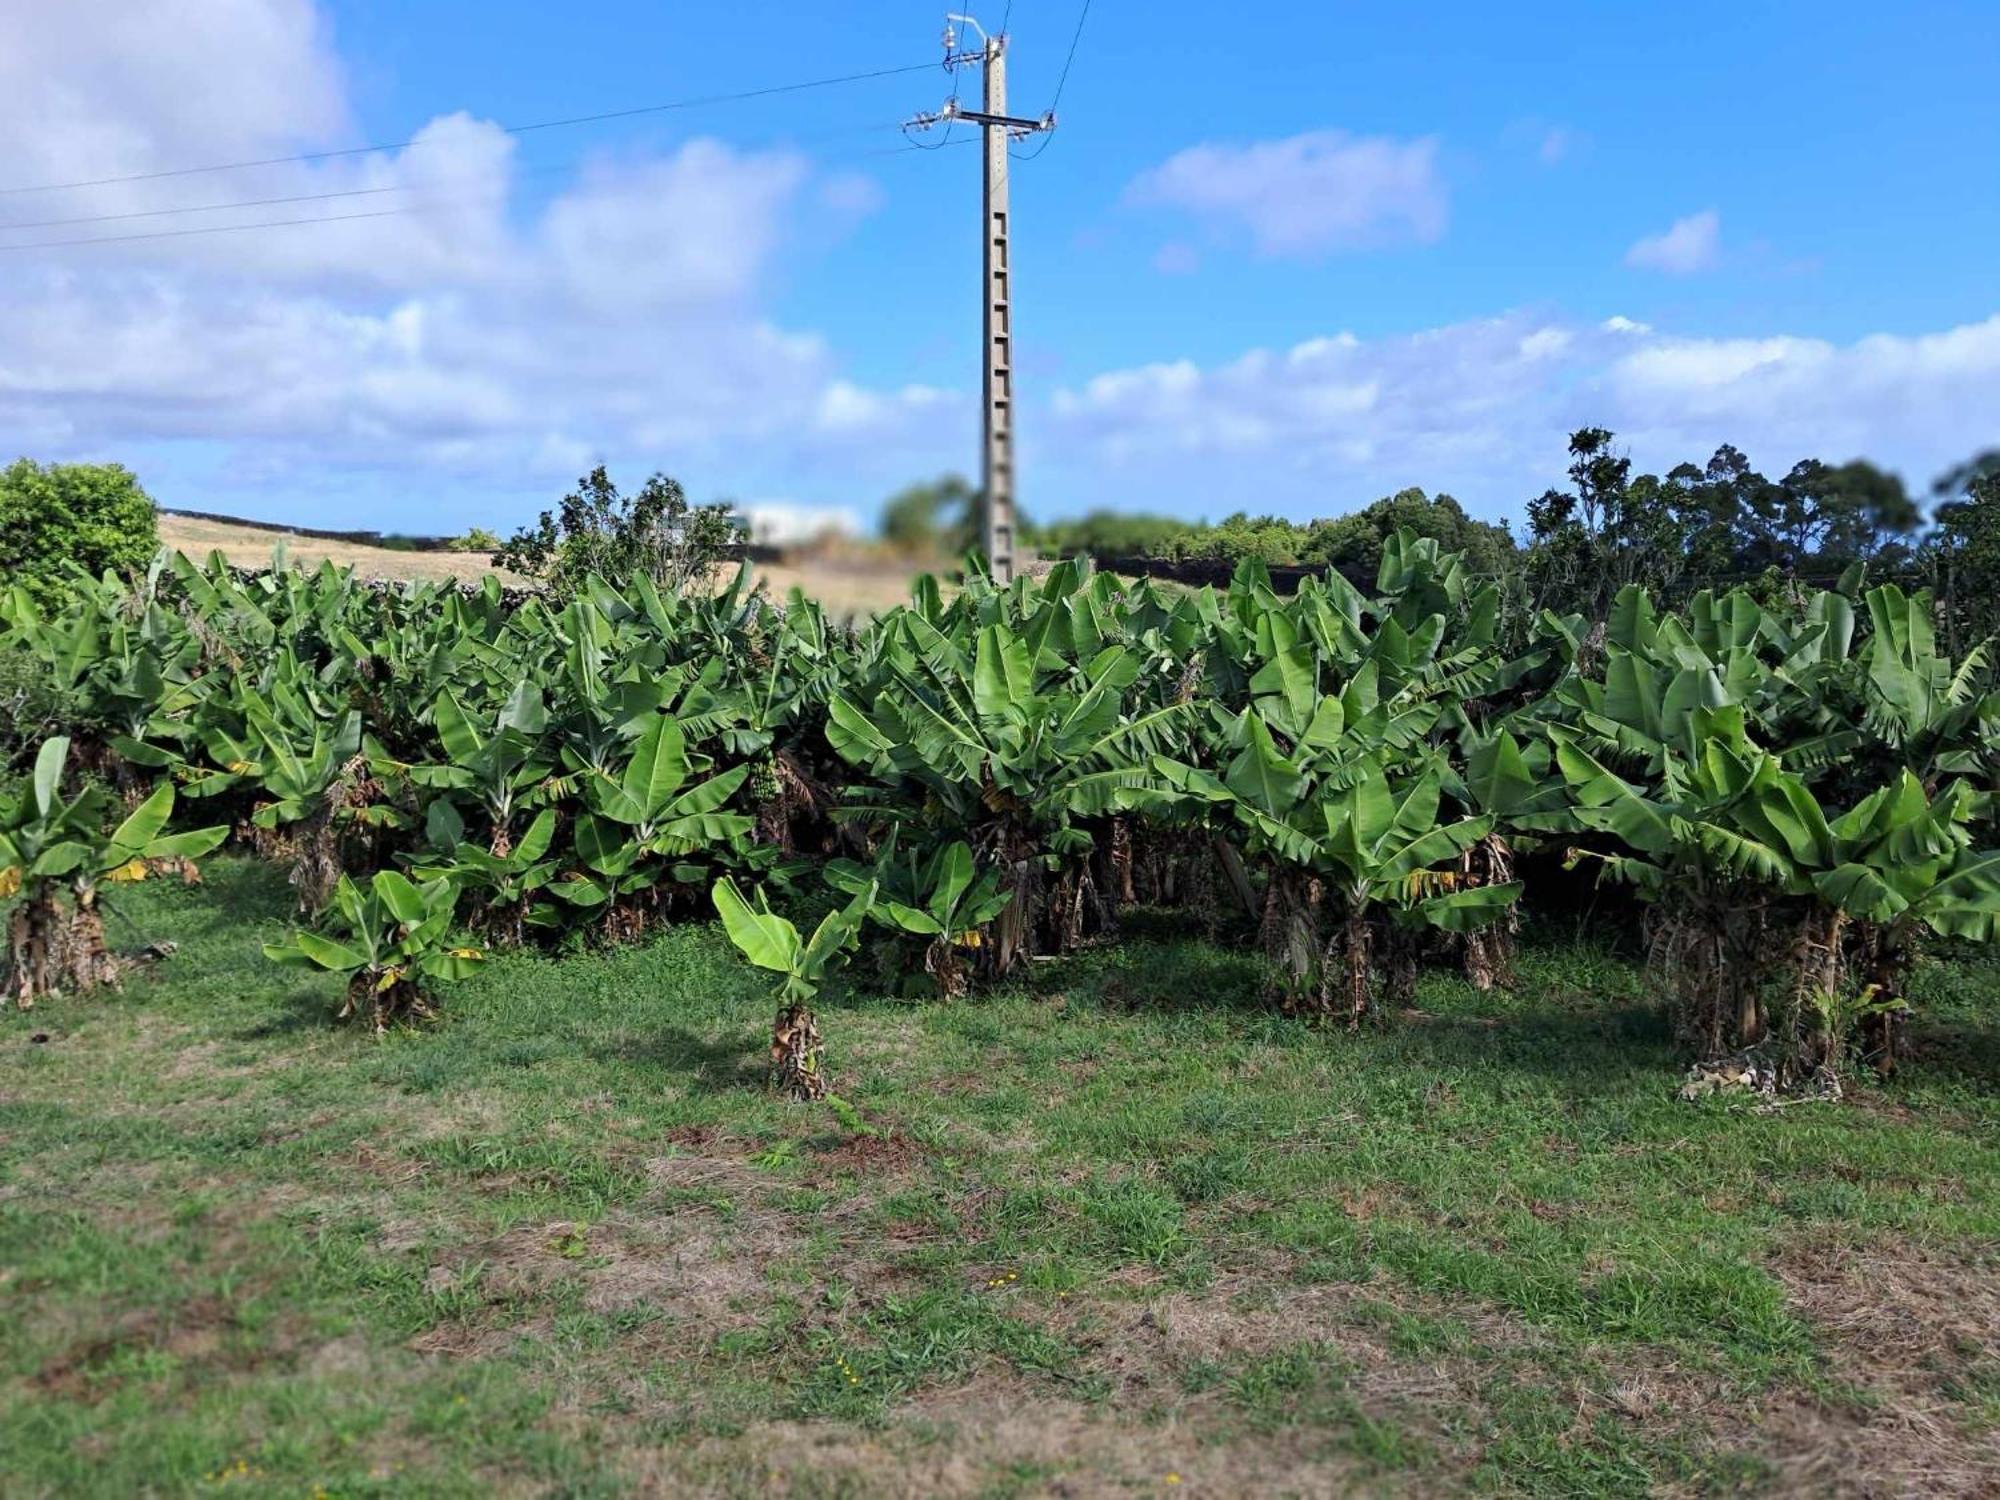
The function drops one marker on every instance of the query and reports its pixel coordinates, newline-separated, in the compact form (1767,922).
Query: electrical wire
(1061,82)
(380,213)
(406,187)
(170,234)
(209,208)
(1074,37)
(615,114)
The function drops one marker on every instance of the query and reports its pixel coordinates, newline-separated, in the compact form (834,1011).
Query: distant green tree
(1354,542)
(1241,536)
(94,516)
(1608,530)
(1113,533)
(655,531)
(1963,551)
(1708,526)
(1821,517)
(937,515)
(475,539)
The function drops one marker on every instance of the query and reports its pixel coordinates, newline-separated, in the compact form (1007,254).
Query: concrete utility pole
(996,297)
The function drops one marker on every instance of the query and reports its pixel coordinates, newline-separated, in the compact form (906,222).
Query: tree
(1609,531)
(51,516)
(1113,533)
(1964,550)
(656,533)
(1353,543)
(1822,517)
(938,515)
(1702,526)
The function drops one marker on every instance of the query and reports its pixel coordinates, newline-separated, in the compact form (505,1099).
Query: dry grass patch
(1911,1331)
(1003,1438)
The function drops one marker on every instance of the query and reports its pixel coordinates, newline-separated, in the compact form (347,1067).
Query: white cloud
(1690,245)
(1482,409)
(483,340)
(1556,145)
(151,87)
(1308,194)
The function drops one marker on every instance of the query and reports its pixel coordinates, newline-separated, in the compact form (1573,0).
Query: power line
(1061,82)
(405,187)
(1074,37)
(207,208)
(380,213)
(615,114)
(169,234)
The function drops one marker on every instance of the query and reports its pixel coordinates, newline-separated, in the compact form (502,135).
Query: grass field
(1118,1231)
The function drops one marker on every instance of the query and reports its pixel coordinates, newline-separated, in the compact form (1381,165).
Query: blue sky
(1279,256)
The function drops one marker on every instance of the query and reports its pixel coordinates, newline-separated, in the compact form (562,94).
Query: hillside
(845,586)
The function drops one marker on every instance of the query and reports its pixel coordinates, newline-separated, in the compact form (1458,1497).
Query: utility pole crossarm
(1013,124)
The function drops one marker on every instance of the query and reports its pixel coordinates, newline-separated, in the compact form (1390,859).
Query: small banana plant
(939,897)
(48,845)
(768,941)
(391,940)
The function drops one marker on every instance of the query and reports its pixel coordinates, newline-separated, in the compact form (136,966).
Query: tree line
(1712,525)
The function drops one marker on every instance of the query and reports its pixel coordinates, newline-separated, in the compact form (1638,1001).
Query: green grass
(1114,1225)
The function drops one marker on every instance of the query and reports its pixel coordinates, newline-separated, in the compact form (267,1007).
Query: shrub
(656,533)
(476,539)
(53,515)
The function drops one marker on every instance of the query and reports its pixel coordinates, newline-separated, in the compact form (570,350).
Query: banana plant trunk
(384,998)
(1489,950)
(798,1060)
(1820,971)
(1885,961)
(1399,965)
(89,959)
(37,948)
(1289,933)
(1118,858)
(944,961)
(1356,956)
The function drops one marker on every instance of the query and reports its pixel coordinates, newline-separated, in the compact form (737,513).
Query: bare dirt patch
(874,1155)
(194,1332)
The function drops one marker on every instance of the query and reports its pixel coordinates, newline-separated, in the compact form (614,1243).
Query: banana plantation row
(1797,794)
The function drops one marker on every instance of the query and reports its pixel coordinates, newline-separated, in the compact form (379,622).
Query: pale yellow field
(845,587)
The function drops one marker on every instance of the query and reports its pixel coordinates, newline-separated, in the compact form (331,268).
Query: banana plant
(1765,898)
(1022,757)
(1350,816)
(505,885)
(51,845)
(768,941)
(647,814)
(1514,784)
(496,765)
(391,941)
(940,897)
